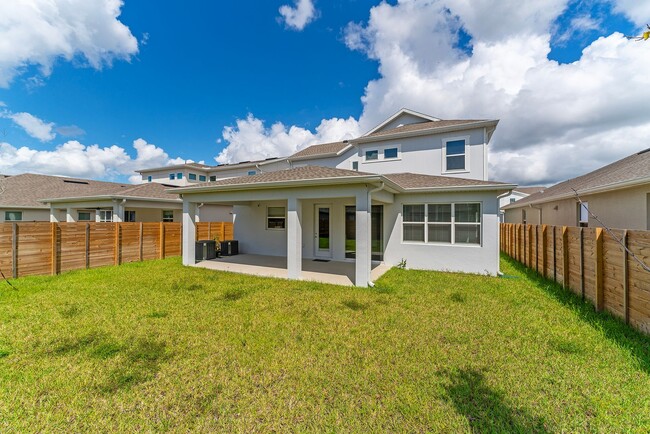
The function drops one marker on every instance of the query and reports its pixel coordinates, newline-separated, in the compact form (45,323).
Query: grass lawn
(156,346)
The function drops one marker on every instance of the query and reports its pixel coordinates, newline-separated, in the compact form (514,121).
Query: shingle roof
(321,150)
(415,181)
(28,189)
(529,190)
(425,126)
(629,169)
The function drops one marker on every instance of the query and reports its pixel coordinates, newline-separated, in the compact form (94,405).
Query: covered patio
(334,272)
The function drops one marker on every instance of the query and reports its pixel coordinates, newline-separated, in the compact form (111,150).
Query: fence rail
(38,248)
(589,262)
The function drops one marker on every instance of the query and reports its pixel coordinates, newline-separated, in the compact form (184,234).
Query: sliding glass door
(376,232)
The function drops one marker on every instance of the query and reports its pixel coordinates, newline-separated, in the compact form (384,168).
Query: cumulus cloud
(73,158)
(250,139)
(35,127)
(38,32)
(298,16)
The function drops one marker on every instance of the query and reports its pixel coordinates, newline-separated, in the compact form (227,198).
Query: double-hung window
(276,217)
(455,153)
(442,223)
(168,216)
(105,215)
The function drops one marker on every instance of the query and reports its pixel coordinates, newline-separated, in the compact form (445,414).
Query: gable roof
(317,175)
(628,172)
(207,168)
(28,190)
(402,111)
(322,150)
(529,190)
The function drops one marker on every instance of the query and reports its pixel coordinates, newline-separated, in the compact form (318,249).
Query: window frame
(390,148)
(202,178)
(453,224)
(251,173)
(149,178)
(284,218)
(172,176)
(104,213)
(213,178)
(167,219)
(191,176)
(368,151)
(179,175)
(446,140)
(129,212)
(355,166)
(79,219)
(14,212)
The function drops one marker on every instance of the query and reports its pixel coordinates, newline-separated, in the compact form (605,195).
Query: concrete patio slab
(335,272)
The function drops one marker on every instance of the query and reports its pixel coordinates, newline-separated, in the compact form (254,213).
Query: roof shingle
(321,150)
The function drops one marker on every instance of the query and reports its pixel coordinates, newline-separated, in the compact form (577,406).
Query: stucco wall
(29,215)
(215,213)
(403,119)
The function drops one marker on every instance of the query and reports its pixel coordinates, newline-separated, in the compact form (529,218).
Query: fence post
(626,281)
(162,240)
(117,244)
(537,248)
(87,245)
(530,246)
(565,256)
(140,241)
(554,256)
(54,249)
(600,295)
(582,262)
(14,250)
(544,251)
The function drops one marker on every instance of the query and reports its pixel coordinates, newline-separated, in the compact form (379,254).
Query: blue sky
(199,67)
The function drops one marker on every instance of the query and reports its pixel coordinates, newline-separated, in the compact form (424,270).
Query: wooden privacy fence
(589,262)
(34,248)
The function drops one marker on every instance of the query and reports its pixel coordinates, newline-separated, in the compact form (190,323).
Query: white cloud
(33,126)
(37,32)
(638,11)
(251,140)
(73,158)
(298,17)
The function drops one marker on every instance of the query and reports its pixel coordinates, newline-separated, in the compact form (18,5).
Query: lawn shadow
(486,409)
(612,328)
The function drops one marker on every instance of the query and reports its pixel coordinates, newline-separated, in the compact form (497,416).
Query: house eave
(107,197)
(424,132)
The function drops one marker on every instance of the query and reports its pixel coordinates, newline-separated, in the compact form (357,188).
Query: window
(168,216)
(129,216)
(275,217)
(172,176)
(83,216)
(513,200)
(202,178)
(413,223)
(149,178)
(192,176)
(13,216)
(455,155)
(179,175)
(355,165)
(583,212)
(447,223)
(372,155)
(251,172)
(213,178)
(390,153)
(105,215)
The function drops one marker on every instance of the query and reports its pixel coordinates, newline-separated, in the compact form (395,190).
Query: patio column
(53,217)
(363,246)
(294,238)
(117,216)
(69,217)
(189,232)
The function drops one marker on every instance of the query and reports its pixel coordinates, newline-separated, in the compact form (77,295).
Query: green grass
(158,347)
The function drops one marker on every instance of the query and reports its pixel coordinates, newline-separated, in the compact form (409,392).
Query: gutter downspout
(123,208)
(374,190)
(197,216)
(499,273)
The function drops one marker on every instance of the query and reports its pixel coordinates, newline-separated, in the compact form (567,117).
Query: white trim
(318,253)
(446,140)
(453,224)
(380,153)
(423,132)
(398,114)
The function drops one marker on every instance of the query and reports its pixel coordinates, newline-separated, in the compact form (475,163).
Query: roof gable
(402,117)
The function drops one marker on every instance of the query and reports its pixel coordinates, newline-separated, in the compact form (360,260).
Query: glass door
(323,225)
(376,232)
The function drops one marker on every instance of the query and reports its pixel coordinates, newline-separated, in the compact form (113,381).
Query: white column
(189,232)
(53,217)
(294,238)
(97,217)
(116,212)
(363,245)
(69,217)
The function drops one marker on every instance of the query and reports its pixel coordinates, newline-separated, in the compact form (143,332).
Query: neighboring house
(515,195)
(618,194)
(31,197)
(414,188)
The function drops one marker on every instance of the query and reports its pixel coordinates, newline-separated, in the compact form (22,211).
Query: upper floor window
(213,178)
(251,172)
(390,153)
(13,216)
(355,165)
(172,176)
(179,175)
(513,200)
(455,155)
(192,176)
(149,178)
(372,154)
(202,178)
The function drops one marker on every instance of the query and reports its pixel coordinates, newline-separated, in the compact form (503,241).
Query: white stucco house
(515,195)
(415,188)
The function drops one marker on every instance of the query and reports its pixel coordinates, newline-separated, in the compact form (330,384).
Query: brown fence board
(71,248)
(606,267)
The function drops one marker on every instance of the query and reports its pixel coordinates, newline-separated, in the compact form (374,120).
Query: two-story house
(414,189)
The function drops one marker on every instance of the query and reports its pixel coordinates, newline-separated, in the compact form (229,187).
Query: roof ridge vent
(70,181)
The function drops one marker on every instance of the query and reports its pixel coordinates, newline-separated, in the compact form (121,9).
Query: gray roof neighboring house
(219,167)
(628,172)
(322,150)
(317,175)
(530,190)
(29,190)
